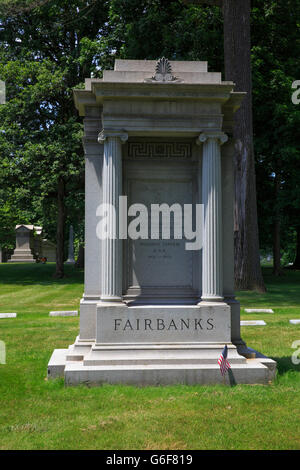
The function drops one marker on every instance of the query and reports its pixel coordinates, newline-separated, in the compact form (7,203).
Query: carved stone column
(111,290)
(212,267)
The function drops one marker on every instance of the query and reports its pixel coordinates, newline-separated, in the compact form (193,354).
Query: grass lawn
(40,414)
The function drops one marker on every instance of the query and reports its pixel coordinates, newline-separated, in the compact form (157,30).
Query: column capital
(221,137)
(106,133)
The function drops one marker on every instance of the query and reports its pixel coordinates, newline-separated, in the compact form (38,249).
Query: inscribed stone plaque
(163,261)
(163,324)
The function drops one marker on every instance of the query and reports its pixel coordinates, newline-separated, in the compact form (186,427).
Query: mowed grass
(40,414)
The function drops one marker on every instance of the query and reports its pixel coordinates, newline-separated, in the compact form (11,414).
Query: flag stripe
(222,361)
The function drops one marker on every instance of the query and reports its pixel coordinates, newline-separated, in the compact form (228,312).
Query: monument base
(121,353)
(151,364)
(22,256)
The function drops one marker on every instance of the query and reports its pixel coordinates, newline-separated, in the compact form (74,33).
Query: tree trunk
(276,229)
(237,49)
(296,264)
(276,248)
(60,231)
(237,52)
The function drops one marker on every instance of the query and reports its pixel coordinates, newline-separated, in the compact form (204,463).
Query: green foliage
(276,65)
(46,48)
(149,29)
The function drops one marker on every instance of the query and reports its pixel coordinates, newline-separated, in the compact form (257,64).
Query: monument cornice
(97,92)
(102,90)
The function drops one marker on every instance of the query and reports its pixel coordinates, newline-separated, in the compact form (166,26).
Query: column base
(111,300)
(211,299)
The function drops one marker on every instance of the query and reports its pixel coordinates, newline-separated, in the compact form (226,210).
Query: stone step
(121,356)
(168,374)
(22,260)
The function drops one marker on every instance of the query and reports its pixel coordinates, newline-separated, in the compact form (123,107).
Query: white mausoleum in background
(153,312)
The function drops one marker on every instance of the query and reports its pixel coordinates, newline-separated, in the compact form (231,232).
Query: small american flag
(222,361)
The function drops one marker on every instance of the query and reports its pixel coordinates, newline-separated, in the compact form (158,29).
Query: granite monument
(158,309)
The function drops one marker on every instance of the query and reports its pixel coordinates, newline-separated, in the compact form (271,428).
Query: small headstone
(8,315)
(253,323)
(259,310)
(64,313)
(295,322)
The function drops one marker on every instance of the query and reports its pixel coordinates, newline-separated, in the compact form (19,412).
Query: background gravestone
(49,250)
(24,245)
(71,259)
(30,245)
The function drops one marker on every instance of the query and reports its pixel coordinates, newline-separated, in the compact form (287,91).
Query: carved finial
(163,72)
(163,69)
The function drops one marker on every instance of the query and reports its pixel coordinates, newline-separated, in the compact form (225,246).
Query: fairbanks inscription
(160,324)
(180,150)
(163,324)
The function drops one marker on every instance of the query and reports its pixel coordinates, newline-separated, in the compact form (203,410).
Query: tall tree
(51,41)
(237,53)
(276,64)
(237,58)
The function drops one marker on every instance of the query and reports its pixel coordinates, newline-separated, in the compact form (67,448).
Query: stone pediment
(23,226)
(30,228)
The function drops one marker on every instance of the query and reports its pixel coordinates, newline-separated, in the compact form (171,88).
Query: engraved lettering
(148,324)
(160,324)
(173,325)
(186,323)
(198,323)
(127,325)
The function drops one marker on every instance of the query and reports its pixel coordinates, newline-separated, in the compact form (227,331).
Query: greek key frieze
(159,150)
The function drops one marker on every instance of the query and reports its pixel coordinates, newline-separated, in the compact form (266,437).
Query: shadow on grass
(281,290)
(232,381)
(284,365)
(37,273)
